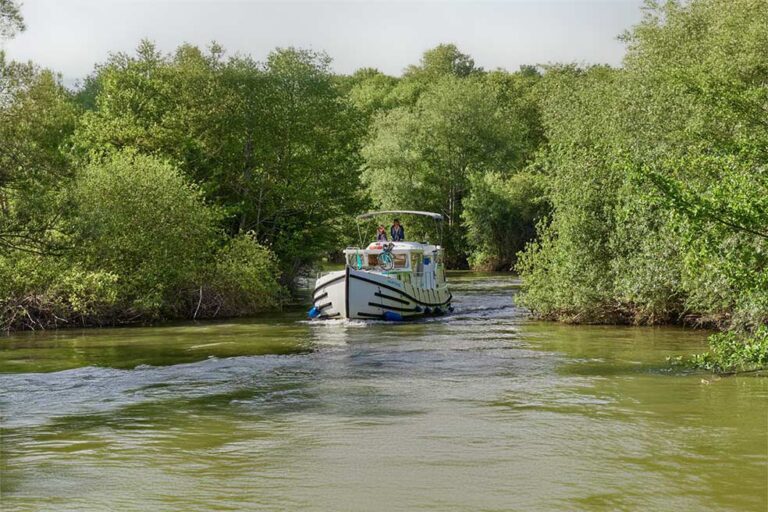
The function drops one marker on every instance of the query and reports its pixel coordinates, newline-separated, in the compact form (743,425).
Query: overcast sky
(70,36)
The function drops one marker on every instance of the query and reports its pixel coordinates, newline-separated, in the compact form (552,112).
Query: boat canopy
(435,216)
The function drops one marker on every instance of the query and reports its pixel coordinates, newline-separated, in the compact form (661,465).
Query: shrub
(138,218)
(245,280)
(143,245)
(732,351)
(43,291)
(500,216)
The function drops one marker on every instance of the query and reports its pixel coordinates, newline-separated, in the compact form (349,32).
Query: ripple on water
(481,409)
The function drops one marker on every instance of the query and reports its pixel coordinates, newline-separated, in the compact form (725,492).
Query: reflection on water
(480,410)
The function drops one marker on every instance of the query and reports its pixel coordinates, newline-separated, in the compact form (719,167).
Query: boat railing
(414,275)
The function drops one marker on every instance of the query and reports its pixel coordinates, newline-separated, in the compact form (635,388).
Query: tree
(274,144)
(422,157)
(702,68)
(657,173)
(137,217)
(37,117)
(440,61)
(371,91)
(306,169)
(500,217)
(11,21)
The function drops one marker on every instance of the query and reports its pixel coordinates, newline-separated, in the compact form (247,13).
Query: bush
(38,292)
(138,218)
(567,271)
(143,246)
(500,216)
(245,280)
(732,351)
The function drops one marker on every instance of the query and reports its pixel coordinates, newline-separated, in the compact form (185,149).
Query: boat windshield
(365,259)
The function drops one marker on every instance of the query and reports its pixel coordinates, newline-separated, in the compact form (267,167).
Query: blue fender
(314,312)
(391,316)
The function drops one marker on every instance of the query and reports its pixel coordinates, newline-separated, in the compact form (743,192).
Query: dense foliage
(37,116)
(275,144)
(500,216)
(137,218)
(138,243)
(658,183)
(448,124)
(196,184)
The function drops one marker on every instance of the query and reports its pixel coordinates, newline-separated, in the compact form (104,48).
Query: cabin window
(400,260)
(417,264)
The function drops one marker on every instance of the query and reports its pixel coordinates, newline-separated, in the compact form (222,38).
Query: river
(480,410)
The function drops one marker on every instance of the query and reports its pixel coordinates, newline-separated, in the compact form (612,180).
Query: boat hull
(358,294)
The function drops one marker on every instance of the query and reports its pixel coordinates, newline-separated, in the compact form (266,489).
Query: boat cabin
(413,262)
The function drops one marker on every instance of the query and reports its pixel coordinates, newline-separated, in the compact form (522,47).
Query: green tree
(422,157)
(371,91)
(138,218)
(704,144)
(657,178)
(274,144)
(11,20)
(500,216)
(568,271)
(304,176)
(37,117)
(440,61)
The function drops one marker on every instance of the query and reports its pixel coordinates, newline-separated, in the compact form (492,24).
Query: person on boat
(397,231)
(381,234)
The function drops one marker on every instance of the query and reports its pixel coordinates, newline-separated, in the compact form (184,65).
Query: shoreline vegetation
(201,185)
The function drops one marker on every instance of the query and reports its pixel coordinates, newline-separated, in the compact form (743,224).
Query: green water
(482,410)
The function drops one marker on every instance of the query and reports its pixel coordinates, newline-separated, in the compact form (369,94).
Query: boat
(391,281)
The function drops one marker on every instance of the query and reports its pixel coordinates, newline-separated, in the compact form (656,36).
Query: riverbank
(728,352)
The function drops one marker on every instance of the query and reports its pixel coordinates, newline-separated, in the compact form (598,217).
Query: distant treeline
(196,184)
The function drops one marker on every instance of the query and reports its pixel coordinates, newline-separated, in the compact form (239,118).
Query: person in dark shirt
(396,231)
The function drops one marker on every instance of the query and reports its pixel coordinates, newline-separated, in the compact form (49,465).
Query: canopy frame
(438,218)
(432,215)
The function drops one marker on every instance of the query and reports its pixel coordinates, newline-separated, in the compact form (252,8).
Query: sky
(70,36)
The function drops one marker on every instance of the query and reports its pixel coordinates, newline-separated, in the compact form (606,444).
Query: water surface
(481,410)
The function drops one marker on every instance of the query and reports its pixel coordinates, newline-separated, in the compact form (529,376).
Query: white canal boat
(386,281)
